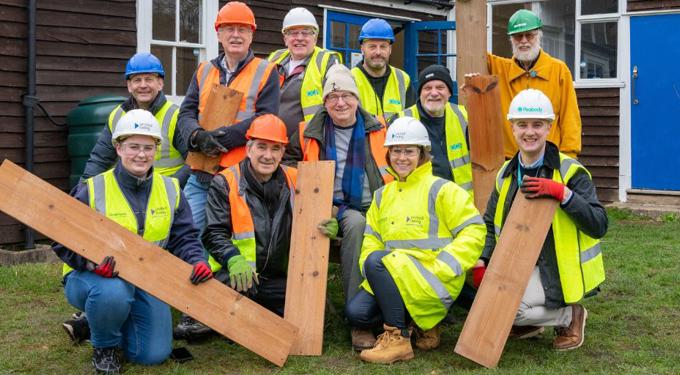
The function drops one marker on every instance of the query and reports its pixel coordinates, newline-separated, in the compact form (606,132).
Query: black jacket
(315,130)
(583,208)
(272,219)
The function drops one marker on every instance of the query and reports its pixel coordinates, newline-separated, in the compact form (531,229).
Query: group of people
(403,211)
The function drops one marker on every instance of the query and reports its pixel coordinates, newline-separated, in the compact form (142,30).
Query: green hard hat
(523,20)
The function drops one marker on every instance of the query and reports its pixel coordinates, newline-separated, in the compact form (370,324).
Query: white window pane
(163,20)
(190,21)
(599,6)
(598,50)
(187,62)
(558,30)
(500,42)
(165,55)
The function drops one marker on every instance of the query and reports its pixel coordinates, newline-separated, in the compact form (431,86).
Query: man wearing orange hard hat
(239,69)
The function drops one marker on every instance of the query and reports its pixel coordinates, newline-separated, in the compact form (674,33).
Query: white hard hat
(137,122)
(407,131)
(531,104)
(299,17)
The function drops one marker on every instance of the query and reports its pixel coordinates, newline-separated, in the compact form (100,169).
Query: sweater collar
(551,159)
(540,69)
(128,181)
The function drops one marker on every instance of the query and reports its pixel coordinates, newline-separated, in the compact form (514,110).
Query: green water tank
(85,123)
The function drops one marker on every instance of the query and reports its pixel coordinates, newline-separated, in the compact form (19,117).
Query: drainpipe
(29,101)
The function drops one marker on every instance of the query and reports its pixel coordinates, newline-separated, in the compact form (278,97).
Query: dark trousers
(269,293)
(385,305)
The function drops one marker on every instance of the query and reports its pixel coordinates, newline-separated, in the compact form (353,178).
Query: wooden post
(486,135)
(470,39)
(220,110)
(490,319)
(308,263)
(143,264)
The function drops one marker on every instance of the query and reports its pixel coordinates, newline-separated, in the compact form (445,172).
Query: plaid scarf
(353,174)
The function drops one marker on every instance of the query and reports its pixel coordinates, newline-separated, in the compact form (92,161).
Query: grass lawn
(633,325)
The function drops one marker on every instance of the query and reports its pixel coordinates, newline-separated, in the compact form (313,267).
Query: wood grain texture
(308,264)
(470,39)
(490,319)
(220,110)
(92,235)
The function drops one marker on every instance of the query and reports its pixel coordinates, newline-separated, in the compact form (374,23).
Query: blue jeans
(197,195)
(120,314)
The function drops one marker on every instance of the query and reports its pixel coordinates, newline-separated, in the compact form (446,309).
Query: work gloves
(106,268)
(207,142)
(329,228)
(534,187)
(241,274)
(478,275)
(201,273)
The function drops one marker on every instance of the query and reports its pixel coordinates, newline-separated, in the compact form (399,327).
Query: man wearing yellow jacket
(532,67)
(570,265)
(414,256)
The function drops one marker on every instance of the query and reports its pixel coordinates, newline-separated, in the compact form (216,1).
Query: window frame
(208,48)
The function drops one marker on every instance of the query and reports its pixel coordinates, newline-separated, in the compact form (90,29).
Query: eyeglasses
(408,152)
(531,35)
(333,98)
(302,33)
(135,148)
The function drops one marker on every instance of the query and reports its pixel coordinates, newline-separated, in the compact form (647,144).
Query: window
(181,34)
(582,33)
(343,36)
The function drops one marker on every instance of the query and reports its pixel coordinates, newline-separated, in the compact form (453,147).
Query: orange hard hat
(235,12)
(268,127)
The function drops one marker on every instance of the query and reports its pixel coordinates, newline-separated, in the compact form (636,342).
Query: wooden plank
(488,324)
(470,39)
(485,130)
(220,110)
(308,264)
(92,235)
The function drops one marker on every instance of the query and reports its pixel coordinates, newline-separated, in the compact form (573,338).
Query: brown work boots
(392,346)
(362,339)
(572,337)
(524,332)
(427,340)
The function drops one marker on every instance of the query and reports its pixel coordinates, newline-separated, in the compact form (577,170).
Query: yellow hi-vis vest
(168,159)
(108,199)
(579,256)
(243,228)
(311,99)
(394,97)
(455,117)
(434,234)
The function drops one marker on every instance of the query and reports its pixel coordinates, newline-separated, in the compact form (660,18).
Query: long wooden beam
(64,219)
(490,319)
(308,264)
(470,39)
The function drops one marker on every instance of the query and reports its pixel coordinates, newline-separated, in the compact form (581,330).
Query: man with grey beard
(531,67)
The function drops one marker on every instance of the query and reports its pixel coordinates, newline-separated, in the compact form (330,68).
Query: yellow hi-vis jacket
(579,256)
(434,234)
(457,150)
(107,198)
(312,83)
(394,97)
(168,159)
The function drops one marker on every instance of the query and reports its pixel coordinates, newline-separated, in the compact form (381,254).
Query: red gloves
(106,268)
(534,187)
(200,273)
(478,275)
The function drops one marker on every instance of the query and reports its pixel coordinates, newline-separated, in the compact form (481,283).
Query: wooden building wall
(82,47)
(646,5)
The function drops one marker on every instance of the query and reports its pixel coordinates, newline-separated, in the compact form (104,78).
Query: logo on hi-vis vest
(313,92)
(158,212)
(456,146)
(394,101)
(415,221)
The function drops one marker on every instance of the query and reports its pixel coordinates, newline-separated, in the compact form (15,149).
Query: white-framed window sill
(599,83)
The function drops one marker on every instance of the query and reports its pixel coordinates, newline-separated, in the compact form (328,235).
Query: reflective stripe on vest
(394,97)
(168,159)
(456,146)
(580,274)
(106,197)
(311,99)
(243,228)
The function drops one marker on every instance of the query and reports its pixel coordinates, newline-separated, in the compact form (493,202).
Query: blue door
(426,43)
(655,101)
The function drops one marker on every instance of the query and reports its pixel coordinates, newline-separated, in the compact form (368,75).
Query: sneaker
(572,337)
(362,339)
(77,328)
(525,332)
(189,328)
(106,360)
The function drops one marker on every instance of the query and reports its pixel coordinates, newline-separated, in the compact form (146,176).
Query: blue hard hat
(376,28)
(144,62)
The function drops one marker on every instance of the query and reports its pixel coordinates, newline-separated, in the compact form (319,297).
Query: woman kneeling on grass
(422,234)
